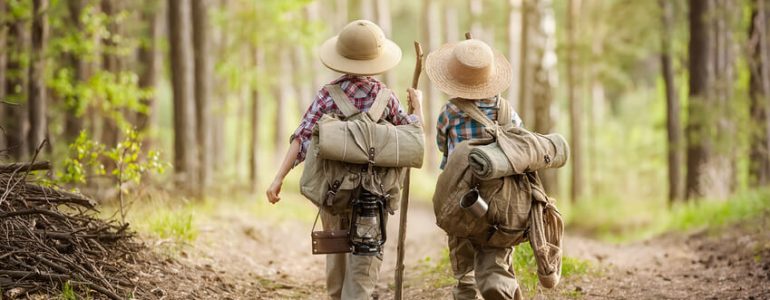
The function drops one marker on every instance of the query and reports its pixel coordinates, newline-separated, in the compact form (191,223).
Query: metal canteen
(473,203)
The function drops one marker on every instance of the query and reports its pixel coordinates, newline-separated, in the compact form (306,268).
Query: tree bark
(203,80)
(3,63)
(150,58)
(37,92)
(254,116)
(515,8)
(17,125)
(710,170)
(545,78)
(431,35)
(285,96)
(759,93)
(575,105)
(182,69)
(525,79)
(111,63)
(672,105)
(382,12)
(73,119)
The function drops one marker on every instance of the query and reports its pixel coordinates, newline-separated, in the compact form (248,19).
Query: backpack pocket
(504,237)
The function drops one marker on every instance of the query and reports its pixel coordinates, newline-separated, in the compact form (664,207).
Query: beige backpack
(334,171)
(518,208)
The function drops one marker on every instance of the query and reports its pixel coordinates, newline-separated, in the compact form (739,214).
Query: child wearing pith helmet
(360,51)
(471,71)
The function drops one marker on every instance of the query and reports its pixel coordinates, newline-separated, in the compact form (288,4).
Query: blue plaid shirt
(454,126)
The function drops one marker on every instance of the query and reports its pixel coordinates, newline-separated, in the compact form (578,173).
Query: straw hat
(469,70)
(360,49)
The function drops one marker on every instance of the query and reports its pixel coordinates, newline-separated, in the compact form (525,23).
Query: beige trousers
(348,276)
(482,271)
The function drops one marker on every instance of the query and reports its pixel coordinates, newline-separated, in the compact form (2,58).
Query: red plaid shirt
(361,91)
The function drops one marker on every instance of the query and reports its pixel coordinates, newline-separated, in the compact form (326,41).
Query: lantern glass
(367,233)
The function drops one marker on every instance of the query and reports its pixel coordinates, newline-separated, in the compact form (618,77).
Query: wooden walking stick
(405,192)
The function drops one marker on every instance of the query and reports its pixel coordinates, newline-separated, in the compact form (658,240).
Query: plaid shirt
(454,126)
(361,91)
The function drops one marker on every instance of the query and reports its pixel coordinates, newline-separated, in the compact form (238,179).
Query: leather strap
(470,108)
(379,105)
(341,100)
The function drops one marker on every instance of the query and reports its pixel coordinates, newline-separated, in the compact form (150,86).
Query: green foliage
(130,166)
(437,273)
(67,292)
(83,158)
(525,268)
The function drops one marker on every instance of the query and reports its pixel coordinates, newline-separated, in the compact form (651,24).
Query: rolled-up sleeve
(304,132)
(396,114)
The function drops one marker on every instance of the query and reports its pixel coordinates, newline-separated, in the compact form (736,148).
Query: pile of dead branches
(49,238)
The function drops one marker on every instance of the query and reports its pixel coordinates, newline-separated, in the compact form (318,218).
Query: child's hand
(274,191)
(415,99)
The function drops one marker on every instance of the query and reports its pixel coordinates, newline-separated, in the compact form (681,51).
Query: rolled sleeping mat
(352,142)
(526,152)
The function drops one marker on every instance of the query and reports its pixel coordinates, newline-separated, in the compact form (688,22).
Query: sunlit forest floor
(248,249)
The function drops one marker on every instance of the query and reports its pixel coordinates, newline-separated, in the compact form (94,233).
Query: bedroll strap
(379,105)
(470,108)
(341,100)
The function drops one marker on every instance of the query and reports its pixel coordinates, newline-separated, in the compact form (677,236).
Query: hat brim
(436,66)
(388,59)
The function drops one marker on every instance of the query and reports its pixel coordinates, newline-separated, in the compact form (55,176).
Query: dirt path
(263,260)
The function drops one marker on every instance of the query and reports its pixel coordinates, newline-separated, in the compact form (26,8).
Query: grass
(620,221)
(174,225)
(67,292)
(438,273)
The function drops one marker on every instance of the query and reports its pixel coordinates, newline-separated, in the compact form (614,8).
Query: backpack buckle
(371,155)
(332,193)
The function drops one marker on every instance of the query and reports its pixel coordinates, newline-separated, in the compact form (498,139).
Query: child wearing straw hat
(471,71)
(359,51)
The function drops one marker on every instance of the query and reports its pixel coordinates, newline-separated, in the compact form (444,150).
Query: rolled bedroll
(518,151)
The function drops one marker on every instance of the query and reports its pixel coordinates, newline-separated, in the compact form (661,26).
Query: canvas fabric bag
(519,210)
(331,184)
(368,139)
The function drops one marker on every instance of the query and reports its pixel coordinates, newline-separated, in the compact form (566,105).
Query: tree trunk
(672,106)
(37,92)
(73,119)
(710,170)
(221,39)
(525,79)
(515,47)
(111,63)
(312,12)
(382,12)
(301,83)
(476,8)
(759,92)
(17,126)
(340,14)
(182,69)
(150,58)
(254,116)
(575,105)
(203,80)
(285,96)
(3,62)
(431,35)
(367,10)
(543,45)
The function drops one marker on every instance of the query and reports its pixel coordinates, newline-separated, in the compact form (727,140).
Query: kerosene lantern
(367,228)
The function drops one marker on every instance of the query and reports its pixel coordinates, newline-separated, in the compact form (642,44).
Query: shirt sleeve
(396,114)
(304,132)
(442,126)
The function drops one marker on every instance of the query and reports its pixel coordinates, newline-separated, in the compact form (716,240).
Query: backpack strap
(470,108)
(379,105)
(341,100)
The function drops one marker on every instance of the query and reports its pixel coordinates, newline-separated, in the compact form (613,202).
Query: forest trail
(271,260)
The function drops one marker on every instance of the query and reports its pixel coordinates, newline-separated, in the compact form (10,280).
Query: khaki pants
(348,276)
(482,271)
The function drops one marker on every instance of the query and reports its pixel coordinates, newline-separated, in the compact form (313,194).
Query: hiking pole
(405,193)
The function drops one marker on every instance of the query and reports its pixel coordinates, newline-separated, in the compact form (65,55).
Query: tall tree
(432,37)
(37,98)
(150,58)
(382,12)
(672,105)
(3,60)
(759,92)
(203,80)
(285,96)
(525,79)
(182,69)
(710,172)
(542,45)
(340,14)
(575,104)
(254,116)
(515,47)
(17,124)
(73,120)
(111,62)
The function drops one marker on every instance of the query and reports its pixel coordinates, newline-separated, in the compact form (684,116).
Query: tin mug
(473,203)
